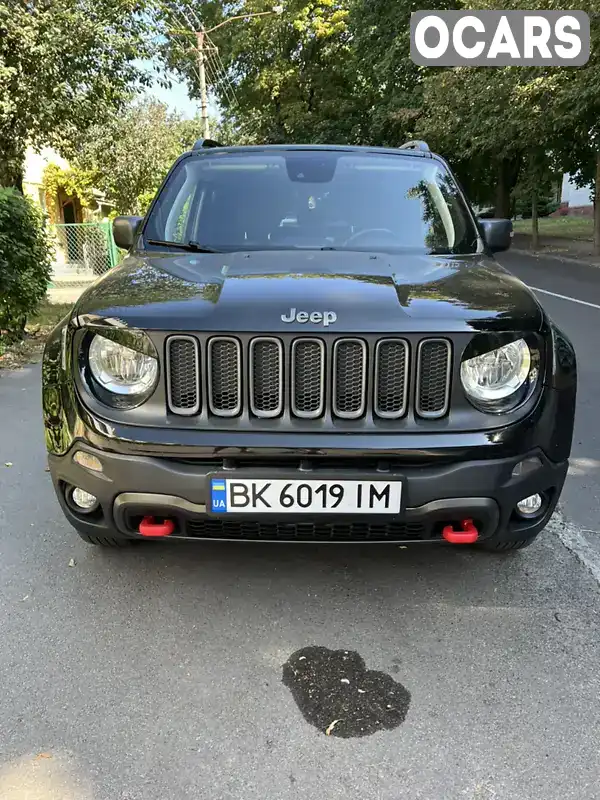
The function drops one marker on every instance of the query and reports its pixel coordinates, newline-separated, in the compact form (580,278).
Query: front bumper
(131,487)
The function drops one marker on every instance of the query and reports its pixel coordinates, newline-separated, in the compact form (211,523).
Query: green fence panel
(84,249)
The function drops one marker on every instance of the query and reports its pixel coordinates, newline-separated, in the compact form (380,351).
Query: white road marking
(566,297)
(575,541)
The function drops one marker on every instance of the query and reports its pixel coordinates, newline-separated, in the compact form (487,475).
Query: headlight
(499,380)
(121,371)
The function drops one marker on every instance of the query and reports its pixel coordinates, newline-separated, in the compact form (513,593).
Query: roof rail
(416,145)
(200,143)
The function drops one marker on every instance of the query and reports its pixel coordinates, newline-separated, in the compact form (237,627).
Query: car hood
(254,291)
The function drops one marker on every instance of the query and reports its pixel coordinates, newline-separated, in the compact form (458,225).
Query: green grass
(561,227)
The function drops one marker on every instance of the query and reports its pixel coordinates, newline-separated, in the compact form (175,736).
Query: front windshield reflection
(322,200)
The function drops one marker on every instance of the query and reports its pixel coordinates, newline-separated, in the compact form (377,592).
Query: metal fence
(83,249)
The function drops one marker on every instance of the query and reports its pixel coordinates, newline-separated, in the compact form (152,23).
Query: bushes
(24,263)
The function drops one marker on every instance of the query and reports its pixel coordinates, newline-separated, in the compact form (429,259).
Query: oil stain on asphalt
(338,695)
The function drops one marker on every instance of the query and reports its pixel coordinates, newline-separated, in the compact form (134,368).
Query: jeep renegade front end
(309,343)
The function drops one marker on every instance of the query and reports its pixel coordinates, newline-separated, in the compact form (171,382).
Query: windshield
(312,199)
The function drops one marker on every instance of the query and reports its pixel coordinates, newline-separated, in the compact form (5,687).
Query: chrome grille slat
(183,375)
(391,378)
(225,376)
(308,378)
(349,378)
(266,377)
(434,364)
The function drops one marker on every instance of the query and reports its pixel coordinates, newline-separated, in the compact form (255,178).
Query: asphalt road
(577,311)
(175,672)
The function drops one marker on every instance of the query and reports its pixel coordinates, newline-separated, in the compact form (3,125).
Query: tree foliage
(525,122)
(391,84)
(340,71)
(73,181)
(132,152)
(64,65)
(24,262)
(290,76)
(322,70)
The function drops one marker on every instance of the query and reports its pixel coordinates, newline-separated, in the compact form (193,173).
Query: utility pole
(202,76)
(201,48)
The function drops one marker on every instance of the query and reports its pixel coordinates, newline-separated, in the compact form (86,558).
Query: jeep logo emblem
(325,318)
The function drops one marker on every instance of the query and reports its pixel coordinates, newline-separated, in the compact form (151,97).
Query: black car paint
(549,425)
(195,312)
(368,292)
(248,292)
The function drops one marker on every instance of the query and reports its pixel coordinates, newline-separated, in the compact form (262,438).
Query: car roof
(205,146)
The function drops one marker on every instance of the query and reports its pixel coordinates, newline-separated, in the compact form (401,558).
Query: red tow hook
(148,527)
(468,535)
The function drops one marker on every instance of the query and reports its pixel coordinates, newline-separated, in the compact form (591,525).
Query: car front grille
(183,377)
(266,369)
(432,378)
(307,378)
(391,378)
(349,378)
(224,376)
(256,530)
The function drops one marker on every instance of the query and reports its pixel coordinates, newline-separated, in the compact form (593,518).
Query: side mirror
(497,233)
(125,230)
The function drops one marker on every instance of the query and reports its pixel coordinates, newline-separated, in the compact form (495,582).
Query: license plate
(233,495)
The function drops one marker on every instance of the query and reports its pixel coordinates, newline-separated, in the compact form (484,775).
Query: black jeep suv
(309,343)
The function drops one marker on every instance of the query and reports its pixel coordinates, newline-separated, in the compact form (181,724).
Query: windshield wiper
(191,246)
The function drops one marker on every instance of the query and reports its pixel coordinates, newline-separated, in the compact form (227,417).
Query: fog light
(84,500)
(88,461)
(530,506)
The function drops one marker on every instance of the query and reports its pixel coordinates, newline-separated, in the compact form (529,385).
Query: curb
(553,257)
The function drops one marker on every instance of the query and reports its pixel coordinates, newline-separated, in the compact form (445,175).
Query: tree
(340,71)
(334,71)
(577,99)
(469,116)
(64,65)
(524,122)
(390,84)
(288,77)
(130,155)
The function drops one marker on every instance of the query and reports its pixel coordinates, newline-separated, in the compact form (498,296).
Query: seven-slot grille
(307,378)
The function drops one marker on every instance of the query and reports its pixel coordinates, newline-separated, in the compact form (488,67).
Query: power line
(189,60)
(221,81)
(213,77)
(181,19)
(227,92)
(199,25)
(220,66)
(207,62)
